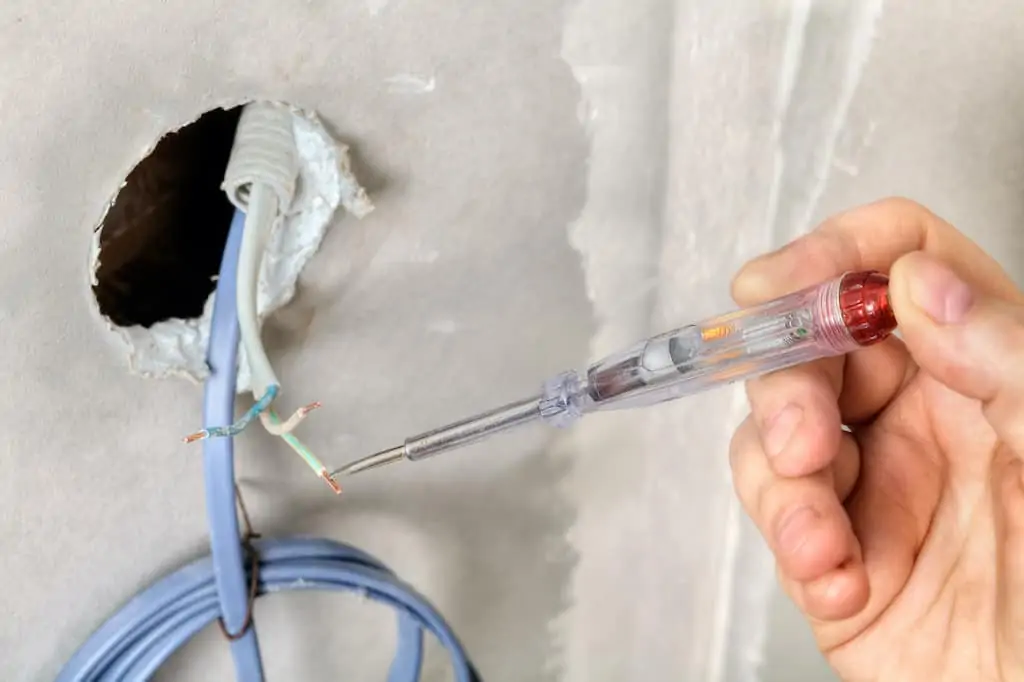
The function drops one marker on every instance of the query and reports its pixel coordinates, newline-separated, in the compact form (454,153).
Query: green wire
(315,464)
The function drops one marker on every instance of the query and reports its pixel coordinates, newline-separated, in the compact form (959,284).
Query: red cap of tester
(864,303)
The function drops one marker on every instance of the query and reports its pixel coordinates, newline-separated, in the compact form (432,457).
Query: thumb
(973,342)
(970,341)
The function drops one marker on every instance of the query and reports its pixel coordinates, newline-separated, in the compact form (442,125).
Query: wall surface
(553,179)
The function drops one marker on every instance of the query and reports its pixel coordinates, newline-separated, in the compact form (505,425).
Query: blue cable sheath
(178,606)
(154,624)
(219,460)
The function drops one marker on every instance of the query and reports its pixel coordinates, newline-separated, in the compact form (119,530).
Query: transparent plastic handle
(830,319)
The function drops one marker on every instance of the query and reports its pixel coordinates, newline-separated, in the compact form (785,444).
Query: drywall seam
(709,200)
(743,651)
(862,37)
(622,83)
(789,68)
(759,578)
(177,348)
(720,623)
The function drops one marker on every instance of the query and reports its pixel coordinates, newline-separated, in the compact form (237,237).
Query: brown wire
(245,512)
(254,572)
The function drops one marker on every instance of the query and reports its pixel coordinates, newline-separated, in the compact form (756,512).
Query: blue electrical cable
(219,460)
(137,640)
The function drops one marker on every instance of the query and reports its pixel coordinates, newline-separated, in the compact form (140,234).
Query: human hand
(901,540)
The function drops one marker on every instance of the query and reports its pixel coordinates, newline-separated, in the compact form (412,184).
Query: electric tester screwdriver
(830,319)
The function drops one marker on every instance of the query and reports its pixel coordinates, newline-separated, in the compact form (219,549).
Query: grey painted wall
(581,173)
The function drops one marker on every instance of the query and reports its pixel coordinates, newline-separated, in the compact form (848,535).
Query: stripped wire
(311,460)
(257,410)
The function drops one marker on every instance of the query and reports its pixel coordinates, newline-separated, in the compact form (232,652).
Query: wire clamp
(253,558)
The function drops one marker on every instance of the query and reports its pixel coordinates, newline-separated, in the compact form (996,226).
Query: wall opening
(161,242)
(156,254)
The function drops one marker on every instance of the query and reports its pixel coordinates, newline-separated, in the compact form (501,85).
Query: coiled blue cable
(140,637)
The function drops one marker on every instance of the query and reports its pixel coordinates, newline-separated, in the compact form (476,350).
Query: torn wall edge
(177,347)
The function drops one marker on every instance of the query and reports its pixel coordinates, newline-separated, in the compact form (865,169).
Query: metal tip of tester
(373,461)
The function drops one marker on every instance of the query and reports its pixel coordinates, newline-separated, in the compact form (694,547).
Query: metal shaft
(451,436)
(472,429)
(373,461)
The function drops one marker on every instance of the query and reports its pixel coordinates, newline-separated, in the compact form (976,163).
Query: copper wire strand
(329,480)
(311,460)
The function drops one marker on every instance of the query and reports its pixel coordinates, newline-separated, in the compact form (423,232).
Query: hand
(902,540)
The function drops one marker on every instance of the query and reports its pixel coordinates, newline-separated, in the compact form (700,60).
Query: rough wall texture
(460,289)
(553,179)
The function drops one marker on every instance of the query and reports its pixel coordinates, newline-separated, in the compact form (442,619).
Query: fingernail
(938,291)
(781,429)
(795,528)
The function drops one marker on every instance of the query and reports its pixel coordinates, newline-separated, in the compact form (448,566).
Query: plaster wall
(553,179)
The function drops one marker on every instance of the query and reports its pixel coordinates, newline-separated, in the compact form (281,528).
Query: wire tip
(193,437)
(329,480)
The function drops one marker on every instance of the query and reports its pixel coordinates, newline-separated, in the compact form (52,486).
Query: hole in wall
(161,241)
(156,252)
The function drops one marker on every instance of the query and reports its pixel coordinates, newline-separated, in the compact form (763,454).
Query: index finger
(840,390)
(871,237)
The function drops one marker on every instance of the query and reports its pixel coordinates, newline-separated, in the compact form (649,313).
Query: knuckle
(807,385)
(752,388)
(904,204)
(778,499)
(829,372)
(770,392)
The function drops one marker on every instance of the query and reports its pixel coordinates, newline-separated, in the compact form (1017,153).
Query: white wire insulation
(259,180)
(288,425)
(259,219)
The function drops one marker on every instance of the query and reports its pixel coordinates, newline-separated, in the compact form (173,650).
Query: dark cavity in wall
(162,240)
